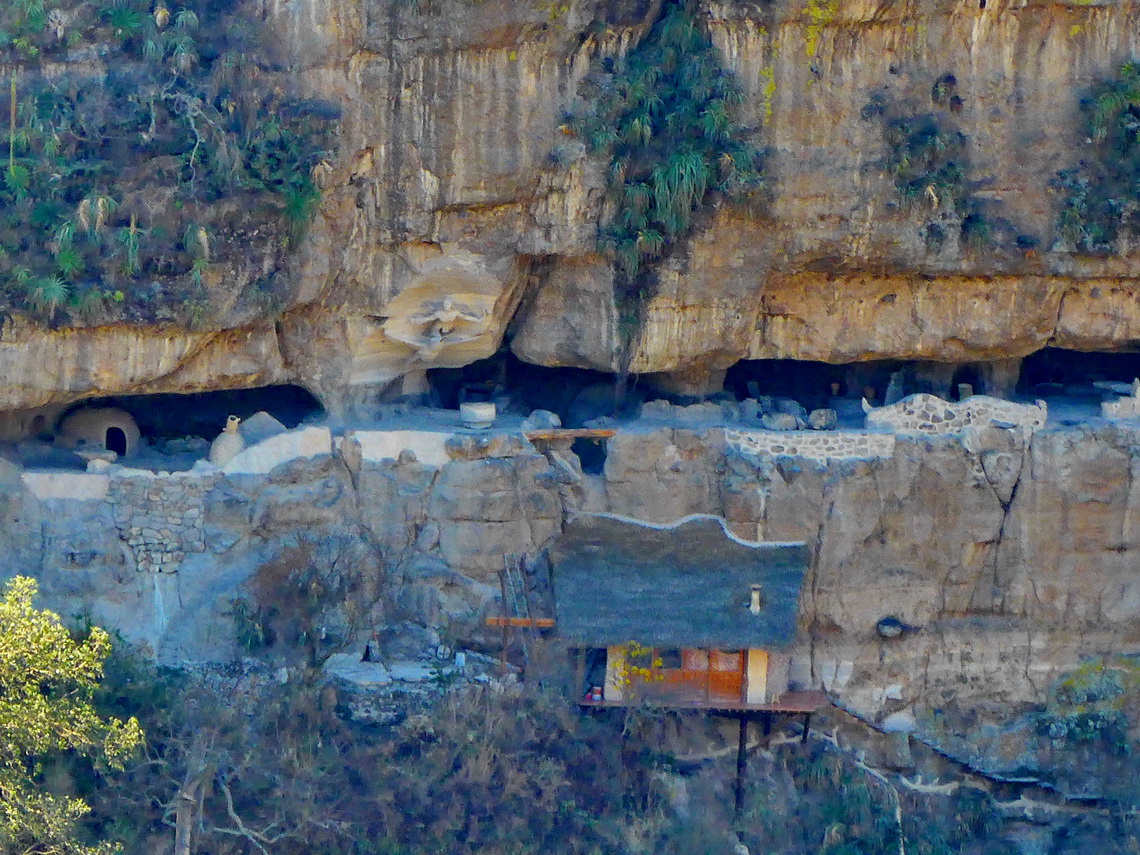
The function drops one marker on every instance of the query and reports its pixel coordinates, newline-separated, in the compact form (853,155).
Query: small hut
(99,429)
(685,616)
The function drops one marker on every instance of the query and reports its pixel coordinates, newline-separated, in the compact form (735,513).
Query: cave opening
(204,414)
(116,440)
(576,395)
(966,376)
(1053,371)
(591,454)
(813,384)
(836,385)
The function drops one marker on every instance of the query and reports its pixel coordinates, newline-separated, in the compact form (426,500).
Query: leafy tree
(47,684)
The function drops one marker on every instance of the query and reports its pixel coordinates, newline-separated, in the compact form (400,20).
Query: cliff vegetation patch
(664,116)
(149,149)
(1101,194)
(927,158)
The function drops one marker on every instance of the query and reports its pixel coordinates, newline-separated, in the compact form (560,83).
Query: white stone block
(477,415)
(428,446)
(78,486)
(900,722)
(264,457)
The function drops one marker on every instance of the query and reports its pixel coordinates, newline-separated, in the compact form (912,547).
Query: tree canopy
(47,682)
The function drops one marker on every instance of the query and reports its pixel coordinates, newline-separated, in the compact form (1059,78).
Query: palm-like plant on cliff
(1101,196)
(663,115)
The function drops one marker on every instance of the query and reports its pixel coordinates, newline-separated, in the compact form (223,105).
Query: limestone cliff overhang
(686,584)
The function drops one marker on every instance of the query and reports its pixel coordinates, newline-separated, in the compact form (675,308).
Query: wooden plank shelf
(538,622)
(569,433)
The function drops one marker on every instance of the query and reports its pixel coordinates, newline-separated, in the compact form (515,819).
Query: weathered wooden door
(726,676)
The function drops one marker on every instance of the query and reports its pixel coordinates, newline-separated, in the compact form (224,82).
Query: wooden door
(726,676)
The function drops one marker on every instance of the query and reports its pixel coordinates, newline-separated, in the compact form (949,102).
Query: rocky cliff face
(445,187)
(1006,559)
(447,232)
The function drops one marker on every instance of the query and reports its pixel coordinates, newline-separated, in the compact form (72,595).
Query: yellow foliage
(767,91)
(821,13)
(634,666)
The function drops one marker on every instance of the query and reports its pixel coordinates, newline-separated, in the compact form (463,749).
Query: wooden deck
(792,703)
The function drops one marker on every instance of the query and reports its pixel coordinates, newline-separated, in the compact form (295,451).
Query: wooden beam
(538,622)
(570,433)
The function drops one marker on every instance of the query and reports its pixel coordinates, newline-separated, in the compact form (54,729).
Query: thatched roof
(683,585)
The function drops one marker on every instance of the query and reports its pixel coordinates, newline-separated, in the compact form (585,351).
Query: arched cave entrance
(813,384)
(575,394)
(116,441)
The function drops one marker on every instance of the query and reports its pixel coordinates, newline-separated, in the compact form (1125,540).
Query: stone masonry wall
(160,517)
(815,445)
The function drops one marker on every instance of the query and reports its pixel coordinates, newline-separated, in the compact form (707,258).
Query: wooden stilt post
(741,767)
(807,728)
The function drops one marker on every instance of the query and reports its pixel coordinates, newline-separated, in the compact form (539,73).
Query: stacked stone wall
(929,415)
(816,445)
(160,517)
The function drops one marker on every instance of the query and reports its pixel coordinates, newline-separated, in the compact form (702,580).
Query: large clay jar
(228,444)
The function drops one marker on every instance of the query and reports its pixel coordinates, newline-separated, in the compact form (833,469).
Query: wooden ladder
(518,609)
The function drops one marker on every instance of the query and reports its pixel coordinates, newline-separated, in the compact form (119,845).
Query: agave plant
(125,22)
(129,238)
(47,293)
(69,261)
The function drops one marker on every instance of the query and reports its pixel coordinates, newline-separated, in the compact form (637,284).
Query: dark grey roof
(683,585)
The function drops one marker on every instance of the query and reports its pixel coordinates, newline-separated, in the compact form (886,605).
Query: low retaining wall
(817,445)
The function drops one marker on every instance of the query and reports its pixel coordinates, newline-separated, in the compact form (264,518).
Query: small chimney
(755,604)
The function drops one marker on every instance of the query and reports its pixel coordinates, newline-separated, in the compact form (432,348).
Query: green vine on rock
(664,116)
(820,13)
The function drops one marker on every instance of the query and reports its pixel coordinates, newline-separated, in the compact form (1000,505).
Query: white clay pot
(477,415)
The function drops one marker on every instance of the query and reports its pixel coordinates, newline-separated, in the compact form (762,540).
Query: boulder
(792,407)
(260,426)
(780,421)
(541,420)
(823,419)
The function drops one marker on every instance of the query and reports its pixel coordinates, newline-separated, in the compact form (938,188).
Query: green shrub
(187,127)
(927,158)
(664,117)
(1100,197)
(1087,705)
